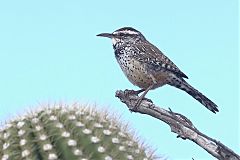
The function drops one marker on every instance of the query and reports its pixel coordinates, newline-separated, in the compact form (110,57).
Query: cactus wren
(147,67)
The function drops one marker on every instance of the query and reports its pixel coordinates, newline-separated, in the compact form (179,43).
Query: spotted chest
(133,69)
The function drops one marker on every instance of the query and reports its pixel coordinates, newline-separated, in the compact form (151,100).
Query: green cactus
(68,133)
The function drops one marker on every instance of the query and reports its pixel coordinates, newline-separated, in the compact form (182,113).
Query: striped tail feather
(183,85)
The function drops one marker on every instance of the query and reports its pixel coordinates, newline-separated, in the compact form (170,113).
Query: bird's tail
(183,85)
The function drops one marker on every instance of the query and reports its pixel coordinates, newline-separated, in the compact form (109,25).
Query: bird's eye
(121,34)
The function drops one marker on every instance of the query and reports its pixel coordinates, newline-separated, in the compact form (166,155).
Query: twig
(179,124)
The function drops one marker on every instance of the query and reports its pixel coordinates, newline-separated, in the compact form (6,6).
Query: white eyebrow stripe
(126,32)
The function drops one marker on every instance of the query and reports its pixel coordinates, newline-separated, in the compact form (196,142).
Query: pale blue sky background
(49,52)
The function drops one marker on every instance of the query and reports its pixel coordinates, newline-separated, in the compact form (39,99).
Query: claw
(133,91)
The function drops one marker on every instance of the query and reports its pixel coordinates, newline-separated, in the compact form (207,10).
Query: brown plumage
(147,67)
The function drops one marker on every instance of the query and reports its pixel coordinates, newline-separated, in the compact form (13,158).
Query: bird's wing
(155,59)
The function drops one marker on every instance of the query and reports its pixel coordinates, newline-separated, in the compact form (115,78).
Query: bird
(147,67)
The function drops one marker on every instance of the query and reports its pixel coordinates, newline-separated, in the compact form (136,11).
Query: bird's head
(124,35)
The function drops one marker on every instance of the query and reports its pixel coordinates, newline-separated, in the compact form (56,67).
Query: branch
(179,124)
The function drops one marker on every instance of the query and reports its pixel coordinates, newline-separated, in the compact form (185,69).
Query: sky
(49,53)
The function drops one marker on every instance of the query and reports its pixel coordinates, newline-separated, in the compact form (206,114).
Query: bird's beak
(108,35)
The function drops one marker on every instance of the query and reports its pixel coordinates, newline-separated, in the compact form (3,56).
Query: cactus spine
(68,133)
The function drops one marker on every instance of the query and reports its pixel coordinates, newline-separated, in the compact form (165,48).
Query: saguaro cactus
(68,133)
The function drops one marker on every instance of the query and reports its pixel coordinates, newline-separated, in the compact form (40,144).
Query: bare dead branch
(179,124)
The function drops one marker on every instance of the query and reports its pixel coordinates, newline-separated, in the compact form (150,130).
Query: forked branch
(179,124)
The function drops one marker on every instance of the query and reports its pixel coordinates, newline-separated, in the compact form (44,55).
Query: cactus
(69,133)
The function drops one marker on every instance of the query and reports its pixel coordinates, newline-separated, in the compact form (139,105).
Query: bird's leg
(139,100)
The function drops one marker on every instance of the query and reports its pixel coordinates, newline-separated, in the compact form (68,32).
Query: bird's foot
(133,92)
(139,101)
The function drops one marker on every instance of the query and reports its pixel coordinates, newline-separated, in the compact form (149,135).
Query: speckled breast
(134,71)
